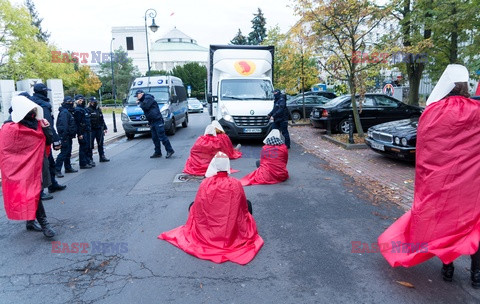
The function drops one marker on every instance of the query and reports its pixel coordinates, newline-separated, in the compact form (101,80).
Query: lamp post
(114,93)
(152,14)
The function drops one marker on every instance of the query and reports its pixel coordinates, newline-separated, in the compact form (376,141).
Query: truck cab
(240,89)
(171,96)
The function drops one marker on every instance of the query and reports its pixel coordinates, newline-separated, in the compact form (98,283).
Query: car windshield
(243,89)
(193,101)
(336,101)
(160,94)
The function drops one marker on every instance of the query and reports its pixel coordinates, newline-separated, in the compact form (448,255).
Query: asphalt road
(119,208)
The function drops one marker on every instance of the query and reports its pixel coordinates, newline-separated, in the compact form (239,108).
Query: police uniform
(82,121)
(98,127)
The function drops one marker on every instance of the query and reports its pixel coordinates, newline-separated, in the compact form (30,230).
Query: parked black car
(376,109)
(329,95)
(295,105)
(396,139)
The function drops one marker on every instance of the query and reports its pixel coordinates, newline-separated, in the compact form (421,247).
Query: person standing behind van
(157,126)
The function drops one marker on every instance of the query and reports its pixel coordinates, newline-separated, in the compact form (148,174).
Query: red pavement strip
(382,178)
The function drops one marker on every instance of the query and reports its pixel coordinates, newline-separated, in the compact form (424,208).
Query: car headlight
(125,117)
(369,134)
(165,113)
(397,140)
(225,114)
(404,141)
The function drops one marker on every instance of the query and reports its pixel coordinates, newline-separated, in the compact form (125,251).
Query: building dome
(176,40)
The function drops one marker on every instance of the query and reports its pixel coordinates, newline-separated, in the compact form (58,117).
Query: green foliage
(37,21)
(124,73)
(239,39)
(157,73)
(259,32)
(192,74)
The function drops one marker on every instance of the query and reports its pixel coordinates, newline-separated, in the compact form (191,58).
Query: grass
(109,110)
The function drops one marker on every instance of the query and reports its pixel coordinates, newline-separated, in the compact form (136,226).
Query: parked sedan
(396,139)
(194,105)
(295,105)
(376,109)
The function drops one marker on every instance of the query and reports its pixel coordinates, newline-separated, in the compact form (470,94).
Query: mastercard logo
(244,67)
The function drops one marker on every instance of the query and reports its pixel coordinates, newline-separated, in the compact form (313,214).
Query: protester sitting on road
(445,217)
(67,130)
(227,146)
(273,162)
(219,227)
(202,152)
(22,151)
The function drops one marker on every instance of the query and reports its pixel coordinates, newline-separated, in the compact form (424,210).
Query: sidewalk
(384,179)
(109,137)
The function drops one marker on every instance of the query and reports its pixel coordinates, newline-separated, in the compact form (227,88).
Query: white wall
(139,52)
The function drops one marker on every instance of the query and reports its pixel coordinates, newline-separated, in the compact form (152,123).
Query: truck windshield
(243,89)
(160,94)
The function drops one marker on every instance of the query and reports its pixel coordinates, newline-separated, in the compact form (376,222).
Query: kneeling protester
(219,227)
(226,143)
(273,162)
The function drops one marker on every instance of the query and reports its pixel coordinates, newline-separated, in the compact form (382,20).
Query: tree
(258,34)
(192,74)
(124,73)
(340,30)
(87,81)
(239,39)
(156,73)
(37,21)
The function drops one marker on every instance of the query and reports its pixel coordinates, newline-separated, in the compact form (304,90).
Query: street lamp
(152,14)
(113,77)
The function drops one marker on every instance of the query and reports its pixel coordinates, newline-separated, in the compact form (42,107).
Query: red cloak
(202,152)
(219,227)
(21,160)
(445,217)
(227,146)
(273,167)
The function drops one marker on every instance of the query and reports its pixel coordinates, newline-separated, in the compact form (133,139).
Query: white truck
(240,90)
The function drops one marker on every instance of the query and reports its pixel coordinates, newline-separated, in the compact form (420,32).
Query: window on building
(129,43)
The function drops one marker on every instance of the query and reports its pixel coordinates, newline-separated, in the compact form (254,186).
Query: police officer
(40,97)
(82,121)
(157,126)
(67,130)
(99,128)
(280,115)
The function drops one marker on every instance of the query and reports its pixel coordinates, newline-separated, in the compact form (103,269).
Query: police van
(171,96)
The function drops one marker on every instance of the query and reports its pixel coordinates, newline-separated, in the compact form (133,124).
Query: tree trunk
(414,72)
(356,116)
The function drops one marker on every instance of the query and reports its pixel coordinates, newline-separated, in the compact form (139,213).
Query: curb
(344,145)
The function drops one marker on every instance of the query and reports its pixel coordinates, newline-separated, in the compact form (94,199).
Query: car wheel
(129,135)
(173,127)
(296,116)
(343,127)
(185,122)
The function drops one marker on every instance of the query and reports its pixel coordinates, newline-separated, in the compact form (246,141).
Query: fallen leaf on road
(327,178)
(201,285)
(104,263)
(62,202)
(406,284)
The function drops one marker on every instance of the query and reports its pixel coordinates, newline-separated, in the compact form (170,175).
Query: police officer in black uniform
(280,115)
(99,128)
(40,97)
(82,121)
(67,130)
(155,119)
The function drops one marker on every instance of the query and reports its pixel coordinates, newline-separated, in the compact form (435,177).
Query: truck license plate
(378,146)
(143,129)
(248,130)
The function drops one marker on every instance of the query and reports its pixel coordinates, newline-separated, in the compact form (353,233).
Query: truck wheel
(129,135)
(173,128)
(185,122)
(296,116)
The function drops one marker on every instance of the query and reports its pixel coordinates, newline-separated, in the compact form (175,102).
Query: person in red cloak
(227,146)
(219,227)
(202,152)
(22,148)
(273,162)
(445,217)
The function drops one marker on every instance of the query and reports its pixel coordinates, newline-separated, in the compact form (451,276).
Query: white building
(173,49)
(132,40)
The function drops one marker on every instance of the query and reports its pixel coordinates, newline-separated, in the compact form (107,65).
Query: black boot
(475,269)
(447,272)
(103,159)
(42,220)
(33,226)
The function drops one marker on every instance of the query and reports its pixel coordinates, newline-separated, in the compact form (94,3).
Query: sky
(85,25)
